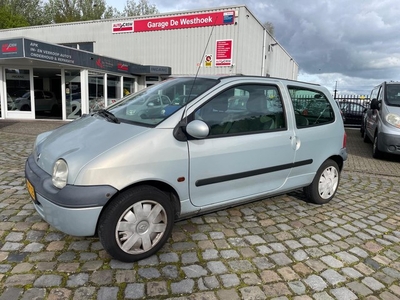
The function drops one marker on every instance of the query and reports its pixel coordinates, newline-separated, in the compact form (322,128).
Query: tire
(136,224)
(376,153)
(365,137)
(55,111)
(325,184)
(25,108)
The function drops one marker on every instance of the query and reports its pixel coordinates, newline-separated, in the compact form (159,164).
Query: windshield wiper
(108,115)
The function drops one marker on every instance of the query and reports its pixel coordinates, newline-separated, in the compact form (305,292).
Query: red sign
(7,48)
(185,21)
(223,55)
(121,27)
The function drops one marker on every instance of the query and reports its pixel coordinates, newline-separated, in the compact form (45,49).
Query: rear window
(312,108)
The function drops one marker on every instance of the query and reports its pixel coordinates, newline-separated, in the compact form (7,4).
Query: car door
(314,134)
(373,114)
(40,102)
(243,156)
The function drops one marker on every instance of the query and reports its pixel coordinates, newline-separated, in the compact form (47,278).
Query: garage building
(61,71)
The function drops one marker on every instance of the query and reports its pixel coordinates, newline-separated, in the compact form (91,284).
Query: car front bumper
(73,210)
(389,143)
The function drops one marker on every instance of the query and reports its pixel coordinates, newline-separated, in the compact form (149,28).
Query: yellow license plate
(31,190)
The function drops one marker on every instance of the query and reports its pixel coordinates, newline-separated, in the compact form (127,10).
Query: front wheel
(325,183)
(136,224)
(376,153)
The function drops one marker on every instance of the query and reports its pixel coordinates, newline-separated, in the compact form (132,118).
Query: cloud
(354,43)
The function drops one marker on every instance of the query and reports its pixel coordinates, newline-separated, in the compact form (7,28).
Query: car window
(393,94)
(38,95)
(154,104)
(243,109)
(48,95)
(312,108)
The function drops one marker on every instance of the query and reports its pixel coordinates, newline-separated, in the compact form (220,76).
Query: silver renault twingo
(128,177)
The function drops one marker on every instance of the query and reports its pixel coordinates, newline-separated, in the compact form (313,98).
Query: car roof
(226,77)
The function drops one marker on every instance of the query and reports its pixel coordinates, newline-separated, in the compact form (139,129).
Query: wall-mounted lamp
(270,46)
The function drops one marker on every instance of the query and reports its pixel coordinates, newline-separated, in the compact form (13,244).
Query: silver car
(128,178)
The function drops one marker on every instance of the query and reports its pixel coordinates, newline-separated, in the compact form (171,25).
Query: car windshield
(156,103)
(393,94)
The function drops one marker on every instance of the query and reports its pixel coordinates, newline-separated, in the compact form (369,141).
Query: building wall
(181,49)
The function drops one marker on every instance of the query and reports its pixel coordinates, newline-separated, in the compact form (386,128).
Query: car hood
(81,141)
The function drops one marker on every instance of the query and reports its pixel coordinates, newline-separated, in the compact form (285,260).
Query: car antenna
(198,68)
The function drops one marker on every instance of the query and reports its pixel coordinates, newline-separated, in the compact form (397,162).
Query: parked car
(149,107)
(10,102)
(381,123)
(45,101)
(352,112)
(127,179)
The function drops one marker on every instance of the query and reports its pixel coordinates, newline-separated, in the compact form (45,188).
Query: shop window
(17,85)
(113,89)
(96,91)
(129,86)
(73,94)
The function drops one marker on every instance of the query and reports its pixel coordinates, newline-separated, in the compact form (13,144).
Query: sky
(350,45)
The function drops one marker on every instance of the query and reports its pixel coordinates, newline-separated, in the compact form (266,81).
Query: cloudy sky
(353,45)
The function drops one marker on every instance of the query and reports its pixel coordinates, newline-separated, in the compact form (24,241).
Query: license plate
(31,190)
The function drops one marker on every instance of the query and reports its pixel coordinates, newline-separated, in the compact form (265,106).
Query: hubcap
(141,227)
(328,182)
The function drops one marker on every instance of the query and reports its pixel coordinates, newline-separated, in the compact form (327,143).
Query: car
(10,102)
(45,101)
(352,112)
(381,123)
(128,179)
(149,107)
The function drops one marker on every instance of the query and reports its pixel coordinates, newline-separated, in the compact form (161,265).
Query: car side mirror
(197,129)
(374,104)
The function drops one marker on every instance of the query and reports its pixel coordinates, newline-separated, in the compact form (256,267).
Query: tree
(270,28)
(10,20)
(143,7)
(61,11)
(30,10)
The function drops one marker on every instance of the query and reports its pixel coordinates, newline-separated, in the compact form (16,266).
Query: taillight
(344,140)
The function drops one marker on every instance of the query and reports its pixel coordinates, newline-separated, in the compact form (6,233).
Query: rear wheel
(136,224)
(325,183)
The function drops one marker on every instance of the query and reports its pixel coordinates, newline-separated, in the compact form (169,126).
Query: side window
(311,107)
(244,109)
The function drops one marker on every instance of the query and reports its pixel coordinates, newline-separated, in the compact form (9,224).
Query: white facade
(225,40)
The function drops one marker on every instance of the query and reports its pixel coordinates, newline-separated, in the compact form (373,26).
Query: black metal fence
(353,107)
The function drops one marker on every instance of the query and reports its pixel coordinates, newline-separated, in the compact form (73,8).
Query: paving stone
(281,248)
(194,271)
(316,283)
(343,294)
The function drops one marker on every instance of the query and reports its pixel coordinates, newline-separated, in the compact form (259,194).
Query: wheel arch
(339,160)
(162,186)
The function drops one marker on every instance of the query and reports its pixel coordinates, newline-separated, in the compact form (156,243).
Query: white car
(45,101)
(128,179)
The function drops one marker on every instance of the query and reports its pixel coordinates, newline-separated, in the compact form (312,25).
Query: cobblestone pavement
(277,248)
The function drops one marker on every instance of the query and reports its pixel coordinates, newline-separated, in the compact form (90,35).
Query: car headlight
(393,119)
(60,173)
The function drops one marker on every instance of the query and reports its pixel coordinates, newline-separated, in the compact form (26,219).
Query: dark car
(352,112)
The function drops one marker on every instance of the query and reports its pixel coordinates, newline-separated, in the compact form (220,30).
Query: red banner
(185,21)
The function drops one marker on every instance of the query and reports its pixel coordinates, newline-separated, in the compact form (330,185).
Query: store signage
(121,27)
(223,55)
(185,21)
(11,48)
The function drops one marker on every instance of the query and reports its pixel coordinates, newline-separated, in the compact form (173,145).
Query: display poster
(223,55)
